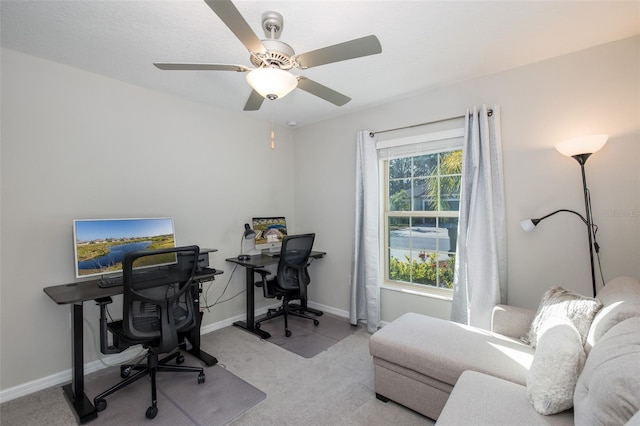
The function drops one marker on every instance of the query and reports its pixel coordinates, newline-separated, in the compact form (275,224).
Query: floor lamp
(580,149)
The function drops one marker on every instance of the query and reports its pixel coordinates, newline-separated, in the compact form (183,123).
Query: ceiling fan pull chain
(273,137)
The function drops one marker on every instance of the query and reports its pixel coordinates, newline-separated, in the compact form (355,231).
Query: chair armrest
(266,290)
(263,274)
(511,321)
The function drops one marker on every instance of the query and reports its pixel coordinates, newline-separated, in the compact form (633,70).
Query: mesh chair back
(159,301)
(294,257)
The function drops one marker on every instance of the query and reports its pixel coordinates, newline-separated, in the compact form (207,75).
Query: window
(421,197)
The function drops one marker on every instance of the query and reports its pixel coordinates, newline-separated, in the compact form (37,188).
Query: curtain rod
(371,134)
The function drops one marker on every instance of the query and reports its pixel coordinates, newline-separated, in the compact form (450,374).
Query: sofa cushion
(443,349)
(560,303)
(608,390)
(558,361)
(620,300)
(480,399)
(511,321)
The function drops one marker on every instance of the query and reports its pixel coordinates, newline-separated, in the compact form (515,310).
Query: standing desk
(75,294)
(260,261)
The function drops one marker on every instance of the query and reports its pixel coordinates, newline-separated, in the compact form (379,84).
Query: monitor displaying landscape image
(270,231)
(101,244)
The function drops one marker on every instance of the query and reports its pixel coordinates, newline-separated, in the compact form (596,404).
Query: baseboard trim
(329,309)
(63,377)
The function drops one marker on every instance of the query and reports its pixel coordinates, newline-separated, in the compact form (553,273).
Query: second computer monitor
(270,231)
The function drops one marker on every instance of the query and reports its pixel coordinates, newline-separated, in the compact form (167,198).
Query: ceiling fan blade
(200,67)
(365,46)
(254,102)
(232,18)
(321,91)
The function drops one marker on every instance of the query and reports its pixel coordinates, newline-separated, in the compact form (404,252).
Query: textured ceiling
(425,44)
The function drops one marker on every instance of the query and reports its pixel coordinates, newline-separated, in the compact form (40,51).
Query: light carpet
(334,388)
(308,340)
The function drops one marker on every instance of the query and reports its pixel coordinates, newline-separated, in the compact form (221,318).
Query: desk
(75,294)
(259,261)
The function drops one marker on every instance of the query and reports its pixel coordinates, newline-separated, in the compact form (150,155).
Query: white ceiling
(425,44)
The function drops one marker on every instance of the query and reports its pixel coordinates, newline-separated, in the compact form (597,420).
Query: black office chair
(158,303)
(291,280)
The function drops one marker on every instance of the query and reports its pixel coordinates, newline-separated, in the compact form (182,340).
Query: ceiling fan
(274,59)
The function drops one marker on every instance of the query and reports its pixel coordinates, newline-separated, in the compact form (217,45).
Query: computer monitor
(99,245)
(270,231)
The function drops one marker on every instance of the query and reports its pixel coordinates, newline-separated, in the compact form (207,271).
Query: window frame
(423,144)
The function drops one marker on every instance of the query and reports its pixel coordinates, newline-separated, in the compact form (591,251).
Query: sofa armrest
(511,321)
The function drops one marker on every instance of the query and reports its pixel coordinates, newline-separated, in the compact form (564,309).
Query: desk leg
(250,323)
(74,392)
(194,337)
(304,308)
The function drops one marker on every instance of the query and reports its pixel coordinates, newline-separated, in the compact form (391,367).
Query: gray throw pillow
(558,303)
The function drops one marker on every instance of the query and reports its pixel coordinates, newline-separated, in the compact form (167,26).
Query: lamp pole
(582,158)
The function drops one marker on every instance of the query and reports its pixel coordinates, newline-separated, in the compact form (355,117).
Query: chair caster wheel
(316,322)
(151,412)
(100,404)
(125,371)
(287,333)
(201,378)
(257,326)
(180,359)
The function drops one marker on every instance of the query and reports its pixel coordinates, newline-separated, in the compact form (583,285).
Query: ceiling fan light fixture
(272,83)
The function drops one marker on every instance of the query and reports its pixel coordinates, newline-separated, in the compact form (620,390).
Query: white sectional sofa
(462,375)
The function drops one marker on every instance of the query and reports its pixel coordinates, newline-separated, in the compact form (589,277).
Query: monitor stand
(272,252)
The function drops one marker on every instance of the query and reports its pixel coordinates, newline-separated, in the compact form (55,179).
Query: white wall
(76,145)
(592,91)
(79,145)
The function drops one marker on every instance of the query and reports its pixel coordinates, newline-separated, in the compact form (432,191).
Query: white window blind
(447,140)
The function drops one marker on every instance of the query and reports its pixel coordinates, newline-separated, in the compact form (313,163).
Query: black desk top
(90,290)
(262,260)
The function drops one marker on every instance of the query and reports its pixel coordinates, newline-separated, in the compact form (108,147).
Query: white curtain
(481,263)
(365,287)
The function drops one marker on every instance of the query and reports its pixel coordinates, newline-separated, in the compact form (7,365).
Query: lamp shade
(272,83)
(527,225)
(248,232)
(581,145)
